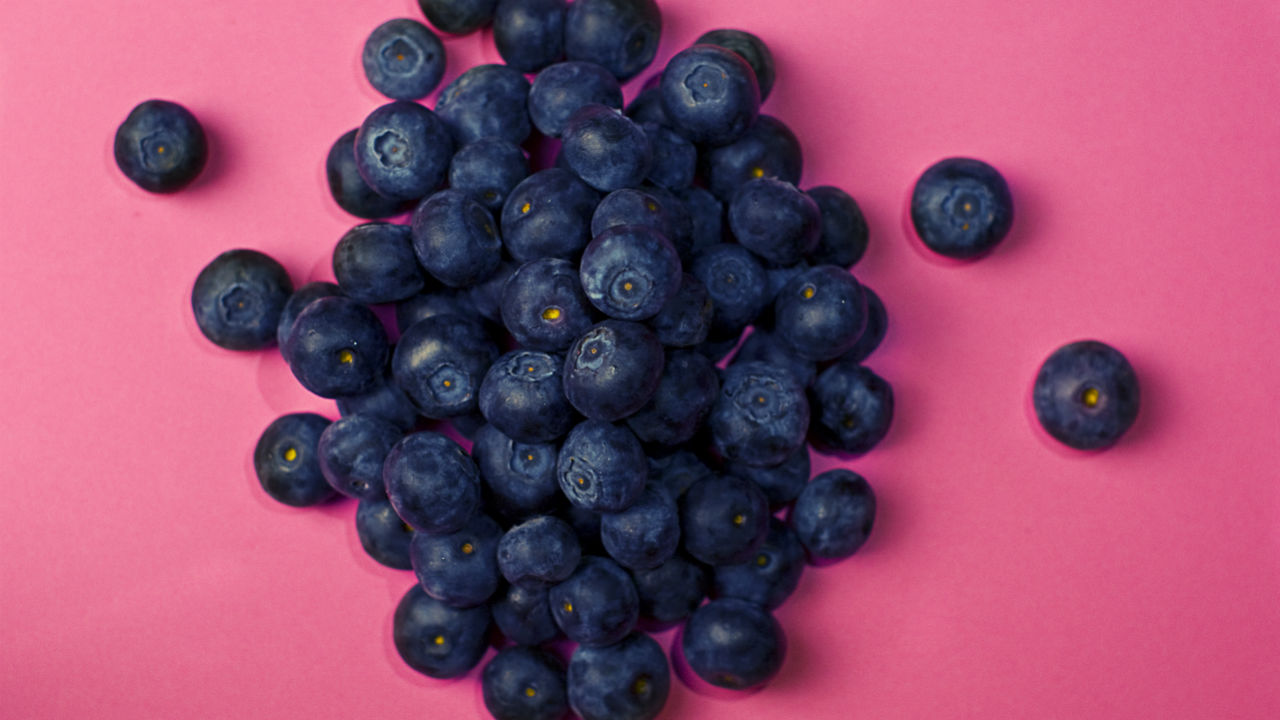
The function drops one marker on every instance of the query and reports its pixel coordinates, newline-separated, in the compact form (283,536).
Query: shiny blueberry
(352,451)
(337,347)
(529,34)
(738,286)
(961,208)
(761,415)
(644,535)
(724,519)
(403,150)
(440,362)
(873,334)
(543,305)
(562,89)
(522,683)
(349,190)
(605,148)
(548,215)
(403,59)
(238,299)
(852,408)
(774,220)
(686,318)
(733,644)
(374,263)
(821,313)
(459,568)
(519,478)
(458,17)
(621,35)
(383,535)
(632,207)
(751,48)
(844,236)
(1086,395)
(524,616)
(710,94)
(486,101)
(432,483)
(522,395)
(286,461)
(161,147)
(770,576)
(686,392)
(613,369)
(456,239)
(597,605)
(539,552)
(767,150)
(436,639)
(629,680)
(671,592)
(601,466)
(487,170)
(834,515)
(630,272)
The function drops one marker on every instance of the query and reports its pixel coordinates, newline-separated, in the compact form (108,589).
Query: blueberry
(161,147)
(961,208)
(762,346)
(562,89)
(644,535)
(646,107)
(402,150)
(539,552)
(548,215)
(446,301)
(834,515)
(486,297)
(844,235)
(750,48)
(524,616)
(374,263)
(543,305)
(736,281)
(601,466)
(686,392)
(458,17)
(852,408)
(770,576)
(1086,395)
(337,347)
(777,278)
(286,461)
(724,519)
(613,369)
(519,478)
(522,683)
(523,396)
(529,34)
(431,482)
(386,400)
(605,148)
(459,568)
(630,206)
(238,298)
(438,640)
(488,169)
(686,318)
(677,472)
(486,101)
(821,313)
(626,681)
(597,605)
(706,216)
(349,190)
(767,150)
(440,362)
(710,94)
(297,302)
(774,220)
(873,333)
(403,59)
(621,35)
(733,644)
(674,157)
(383,535)
(630,272)
(671,592)
(456,239)
(761,415)
(780,483)
(352,451)
(680,222)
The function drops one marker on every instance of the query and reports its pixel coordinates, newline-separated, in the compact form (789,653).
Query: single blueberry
(710,95)
(238,299)
(383,535)
(539,552)
(160,146)
(286,461)
(630,272)
(630,206)
(687,390)
(456,239)
(436,639)
(852,408)
(386,400)
(403,59)
(751,48)
(349,190)
(844,236)
(562,89)
(522,683)
(486,101)
(780,483)
(297,302)
(724,519)
(873,333)
(601,466)
(762,346)
(487,170)
(374,263)
(440,362)
(961,208)
(737,284)
(605,148)
(733,644)
(644,535)
(458,17)
(674,158)
(402,150)
(772,573)
(548,215)
(523,396)
(621,35)
(352,451)
(671,592)
(529,34)
(459,568)
(629,680)
(767,150)
(337,348)
(613,369)
(761,415)
(543,305)
(597,605)
(519,478)
(1086,395)
(524,616)
(820,313)
(686,318)
(431,482)
(774,220)
(834,515)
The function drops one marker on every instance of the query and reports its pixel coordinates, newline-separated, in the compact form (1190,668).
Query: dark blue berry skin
(676,472)
(605,148)
(961,208)
(852,409)
(621,35)
(774,220)
(750,48)
(717,350)
(686,392)
(724,519)
(486,101)
(440,362)
(337,348)
(402,150)
(630,272)
(761,415)
(674,158)
(686,318)
(436,639)
(562,89)
(487,170)
(834,515)
(1086,395)
(352,451)
(539,552)
(736,281)
(445,301)
(458,17)
(523,396)
(874,332)
(586,523)
(646,107)
(681,223)
(286,461)
(762,346)
(456,239)
(297,302)
(844,235)
(403,59)
(632,207)
(432,483)
(543,306)
(613,369)
(772,573)
(710,94)
(780,483)
(519,478)
(706,215)
(522,683)
(733,644)
(626,681)
(386,401)
(767,150)
(161,147)
(459,568)
(486,297)
(820,313)
(374,263)
(383,535)
(548,215)
(597,605)
(350,190)
(671,592)
(644,535)
(238,299)
(529,34)
(524,616)
(601,466)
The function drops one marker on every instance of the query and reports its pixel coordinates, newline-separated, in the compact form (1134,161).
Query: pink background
(144,574)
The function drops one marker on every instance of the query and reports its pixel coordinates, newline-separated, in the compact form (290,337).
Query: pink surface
(144,573)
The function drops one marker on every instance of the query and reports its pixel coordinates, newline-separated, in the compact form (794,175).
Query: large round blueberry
(852,408)
(645,534)
(844,236)
(761,416)
(780,483)
(873,333)
(548,215)
(733,644)
(383,535)
(621,35)
(686,392)
(710,94)
(402,150)
(606,149)
(820,313)
(160,146)
(629,680)
(767,150)
(459,568)
(403,59)
(529,34)
(456,239)
(337,347)
(671,592)
(238,298)
(349,190)
(522,395)
(486,101)
(543,305)
(601,466)
(630,272)
(440,362)
(737,284)
(386,400)
(613,369)
(1086,395)
(374,263)
(774,220)
(523,683)
(487,170)
(436,639)
(524,616)
(630,206)
(519,478)
(834,515)
(961,208)
(297,302)
(597,605)
(562,89)
(431,482)
(686,318)
(675,159)
(724,519)
(763,346)
(352,451)
(771,574)
(539,552)
(751,48)
(458,17)
(286,461)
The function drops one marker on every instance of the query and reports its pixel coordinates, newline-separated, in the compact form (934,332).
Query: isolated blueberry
(724,519)
(685,319)
(770,576)
(751,48)
(383,535)
(630,272)
(961,208)
(522,683)
(671,592)
(631,206)
(737,284)
(297,302)
(337,347)
(562,89)
(402,150)
(374,263)
(676,472)
(459,568)
(706,217)
(386,400)
(820,313)
(548,215)
(523,396)
(486,101)
(440,362)
(674,158)
(456,239)
(160,146)
(733,644)
(601,466)
(834,515)
(487,170)
(763,346)
(774,220)
(352,451)
(458,17)
(286,461)
(844,236)
(768,149)
(686,392)
(349,190)
(605,148)
(519,478)
(403,59)
(524,616)
(852,408)
(710,94)
(539,552)
(613,369)
(238,299)
(436,639)
(629,680)
(1086,395)
(873,333)
(431,482)
(597,605)
(621,35)
(543,305)
(645,534)
(443,301)
(529,34)
(761,415)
